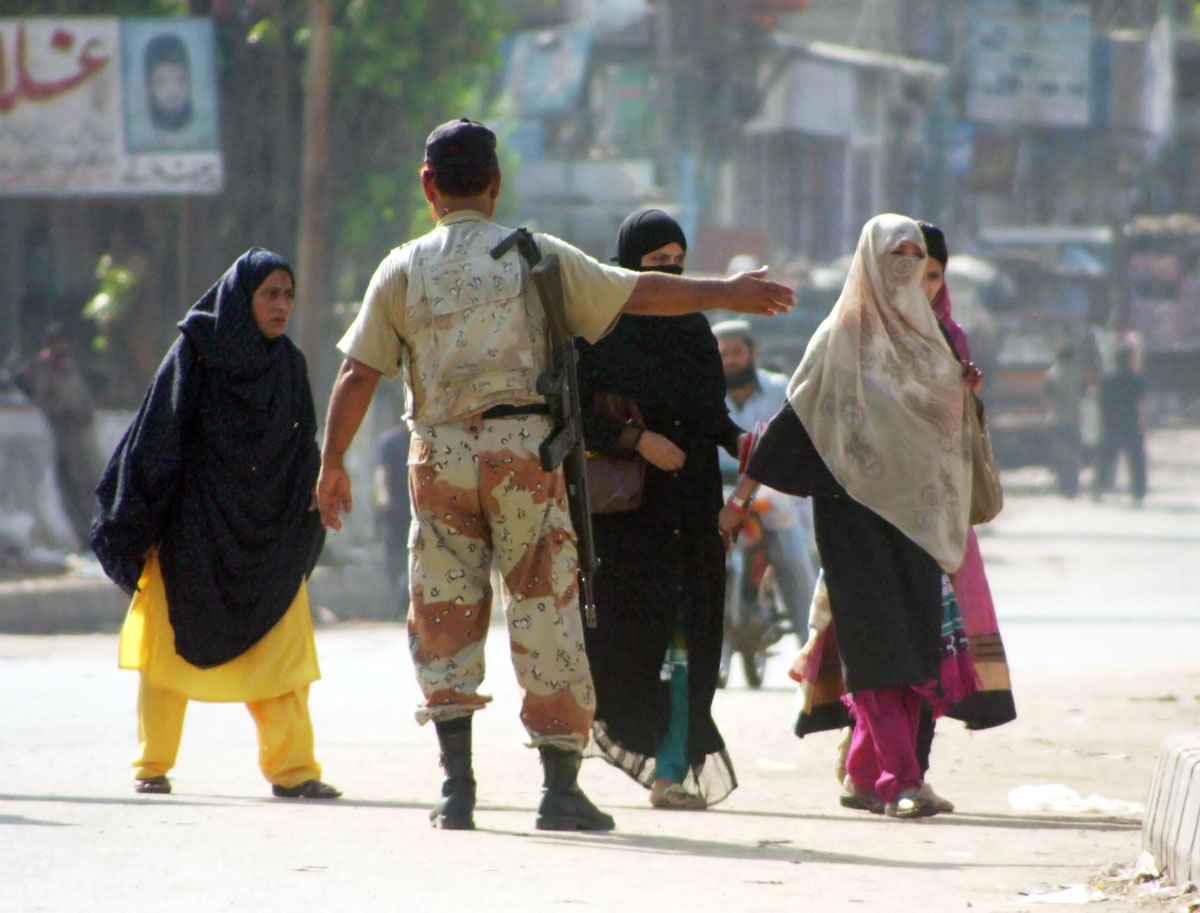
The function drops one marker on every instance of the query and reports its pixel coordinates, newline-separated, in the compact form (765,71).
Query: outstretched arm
(352,392)
(664,295)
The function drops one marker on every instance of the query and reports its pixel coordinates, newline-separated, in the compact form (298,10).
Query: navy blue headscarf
(664,364)
(217,470)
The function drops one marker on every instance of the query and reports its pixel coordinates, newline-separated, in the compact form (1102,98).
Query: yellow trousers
(285,734)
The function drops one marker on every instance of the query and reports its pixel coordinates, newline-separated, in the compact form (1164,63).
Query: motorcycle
(755,617)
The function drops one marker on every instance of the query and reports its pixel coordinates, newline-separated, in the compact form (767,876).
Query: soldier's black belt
(507,411)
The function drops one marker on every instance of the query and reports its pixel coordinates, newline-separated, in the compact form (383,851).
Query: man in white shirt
(755,395)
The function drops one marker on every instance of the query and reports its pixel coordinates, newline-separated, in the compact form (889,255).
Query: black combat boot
(564,806)
(456,810)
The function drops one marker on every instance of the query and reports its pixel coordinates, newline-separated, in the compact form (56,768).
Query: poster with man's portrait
(170,85)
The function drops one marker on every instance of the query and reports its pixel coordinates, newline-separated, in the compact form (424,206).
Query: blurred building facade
(1059,139)
(771,128)
(777,128)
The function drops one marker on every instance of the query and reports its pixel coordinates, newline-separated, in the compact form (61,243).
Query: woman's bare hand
(973,375)
(729,522)
(659,451)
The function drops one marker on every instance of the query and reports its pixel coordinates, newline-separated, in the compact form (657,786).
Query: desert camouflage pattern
(479,495)
(475,333)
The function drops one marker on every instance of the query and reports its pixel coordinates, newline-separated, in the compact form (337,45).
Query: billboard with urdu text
(92,106)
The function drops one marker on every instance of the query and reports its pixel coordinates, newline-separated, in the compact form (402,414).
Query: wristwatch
(742,505)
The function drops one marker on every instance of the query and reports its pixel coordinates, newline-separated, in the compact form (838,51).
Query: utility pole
(668,153)
(313,286)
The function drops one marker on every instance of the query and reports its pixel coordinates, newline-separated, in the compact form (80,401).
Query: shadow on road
(769,851)
(178,800)
(111,800)
(30,822)
(1039,822)
(960,819)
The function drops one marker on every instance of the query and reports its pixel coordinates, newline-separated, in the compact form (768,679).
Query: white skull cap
(728,329)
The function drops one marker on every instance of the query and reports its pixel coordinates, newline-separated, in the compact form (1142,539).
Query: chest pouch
(478,314)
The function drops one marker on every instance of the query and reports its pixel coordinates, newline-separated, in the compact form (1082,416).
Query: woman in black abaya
(203,515)
(660,589)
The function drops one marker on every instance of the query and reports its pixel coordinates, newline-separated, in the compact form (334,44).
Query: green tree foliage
(95,7)
(399,68)
(409,65)
(114,301)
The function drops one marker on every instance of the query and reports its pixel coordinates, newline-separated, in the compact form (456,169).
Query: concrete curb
(60,605)
(80,605)
(1171,828)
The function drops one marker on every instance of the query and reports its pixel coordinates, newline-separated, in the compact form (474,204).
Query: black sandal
(158,785)
(309,789)
(863,800)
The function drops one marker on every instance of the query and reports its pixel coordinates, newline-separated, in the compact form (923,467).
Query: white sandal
(675,796)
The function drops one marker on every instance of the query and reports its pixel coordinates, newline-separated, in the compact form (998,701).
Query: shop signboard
(1029,63)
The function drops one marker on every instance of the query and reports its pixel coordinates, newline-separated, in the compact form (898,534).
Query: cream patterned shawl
(883,397)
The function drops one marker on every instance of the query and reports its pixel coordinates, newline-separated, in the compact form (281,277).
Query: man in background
(1122,427)
(754,395)
(1066,385)
(53,381)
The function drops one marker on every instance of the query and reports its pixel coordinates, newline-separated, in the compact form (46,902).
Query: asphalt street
(1099,612)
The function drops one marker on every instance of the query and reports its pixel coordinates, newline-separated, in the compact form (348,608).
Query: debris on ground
(1070,894)
(1060,799)
(1146,883)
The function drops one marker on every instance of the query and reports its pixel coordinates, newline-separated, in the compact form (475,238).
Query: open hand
(659,451)
(753,293)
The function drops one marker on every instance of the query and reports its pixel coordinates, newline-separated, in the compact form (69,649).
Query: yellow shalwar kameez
(271,678)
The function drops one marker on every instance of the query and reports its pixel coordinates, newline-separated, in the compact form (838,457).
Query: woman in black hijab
(203,515)
(660,590)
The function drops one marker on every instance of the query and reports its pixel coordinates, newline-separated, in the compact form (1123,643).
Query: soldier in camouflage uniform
(468,333)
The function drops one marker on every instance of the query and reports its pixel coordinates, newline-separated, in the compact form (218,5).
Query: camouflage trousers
(480,495)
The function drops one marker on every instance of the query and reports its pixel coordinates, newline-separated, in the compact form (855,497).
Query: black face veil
(646,231)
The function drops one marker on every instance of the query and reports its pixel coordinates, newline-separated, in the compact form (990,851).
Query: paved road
(1100,620)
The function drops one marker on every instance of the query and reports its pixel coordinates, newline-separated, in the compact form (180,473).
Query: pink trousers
(883,750)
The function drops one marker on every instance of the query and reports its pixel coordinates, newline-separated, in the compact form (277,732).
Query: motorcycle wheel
(754,667)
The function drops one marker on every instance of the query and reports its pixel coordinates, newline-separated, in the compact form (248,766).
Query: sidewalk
(70,604)
(74,604)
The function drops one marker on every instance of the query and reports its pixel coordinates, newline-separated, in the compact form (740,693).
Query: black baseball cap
(461,143)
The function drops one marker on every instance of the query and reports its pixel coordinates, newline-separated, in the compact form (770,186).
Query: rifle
(559,383)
